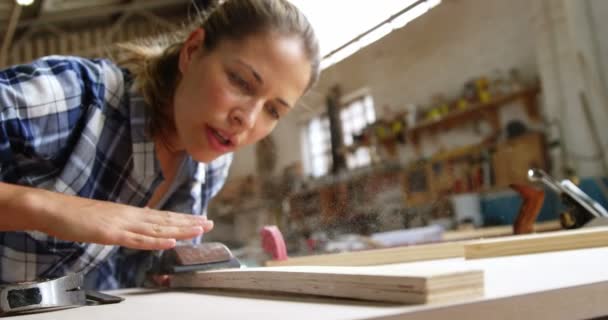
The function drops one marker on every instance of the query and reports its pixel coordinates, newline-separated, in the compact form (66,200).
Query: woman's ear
(192,45)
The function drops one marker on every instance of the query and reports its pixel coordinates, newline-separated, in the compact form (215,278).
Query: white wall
(599,12)
(569,41)
(287,139)
(438,52)
(243,163)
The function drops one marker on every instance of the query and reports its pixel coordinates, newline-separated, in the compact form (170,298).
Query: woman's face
(235,94)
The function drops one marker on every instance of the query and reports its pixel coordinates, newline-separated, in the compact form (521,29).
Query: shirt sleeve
(42,106)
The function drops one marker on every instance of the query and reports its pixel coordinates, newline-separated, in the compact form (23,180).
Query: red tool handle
(273,242)
(532,204)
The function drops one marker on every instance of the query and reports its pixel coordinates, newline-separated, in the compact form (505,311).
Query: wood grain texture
(537,243)
(391,283)
(377,256)
(498,231)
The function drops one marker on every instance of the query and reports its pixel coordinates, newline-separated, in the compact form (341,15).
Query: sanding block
(199,257)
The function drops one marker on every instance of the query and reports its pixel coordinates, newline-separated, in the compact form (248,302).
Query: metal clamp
(46,295)
(581,210)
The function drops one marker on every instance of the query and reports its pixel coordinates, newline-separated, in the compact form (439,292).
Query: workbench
(557,285)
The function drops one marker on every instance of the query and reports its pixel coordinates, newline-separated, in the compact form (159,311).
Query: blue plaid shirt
(75,126)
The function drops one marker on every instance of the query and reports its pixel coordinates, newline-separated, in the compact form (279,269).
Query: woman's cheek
(219,96)
(261,131)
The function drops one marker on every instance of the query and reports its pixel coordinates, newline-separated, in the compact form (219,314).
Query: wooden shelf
(438,177)
(481,111)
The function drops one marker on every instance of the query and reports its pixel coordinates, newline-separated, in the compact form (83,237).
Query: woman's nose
(245,117)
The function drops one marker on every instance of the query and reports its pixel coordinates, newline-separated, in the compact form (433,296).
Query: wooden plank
(498,231)
(566,303)
(448,249)
(393,283)
(537,243)
(377,256)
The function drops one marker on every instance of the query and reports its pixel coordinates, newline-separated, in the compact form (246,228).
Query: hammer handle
(532,203)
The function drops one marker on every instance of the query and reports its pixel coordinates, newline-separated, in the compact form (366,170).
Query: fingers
(167,218)
(142,242)
(167,232)
(159,230)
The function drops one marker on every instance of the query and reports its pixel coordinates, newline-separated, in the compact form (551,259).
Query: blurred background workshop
(423,122)
(423,117)
(433,121)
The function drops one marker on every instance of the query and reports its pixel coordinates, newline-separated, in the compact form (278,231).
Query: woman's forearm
(73,218)
(19,205)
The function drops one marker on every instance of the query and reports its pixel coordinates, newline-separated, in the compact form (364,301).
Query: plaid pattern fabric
(74,126)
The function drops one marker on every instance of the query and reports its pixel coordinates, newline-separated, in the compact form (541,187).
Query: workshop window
(355,116)
(319,146)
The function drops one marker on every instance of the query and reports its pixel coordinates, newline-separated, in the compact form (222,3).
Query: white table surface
(557,285)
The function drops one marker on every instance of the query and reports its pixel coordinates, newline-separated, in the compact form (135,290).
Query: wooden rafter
(9,33)
(98,12)
(157,20)
(117,25)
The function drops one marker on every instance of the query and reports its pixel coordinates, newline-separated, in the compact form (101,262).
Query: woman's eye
(272,110)
(240,82)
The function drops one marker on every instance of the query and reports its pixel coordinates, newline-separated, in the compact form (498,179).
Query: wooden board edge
(497,231)
(365,288)
(537,243)
(378,256)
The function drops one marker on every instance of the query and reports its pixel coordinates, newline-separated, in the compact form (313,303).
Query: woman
(98,161)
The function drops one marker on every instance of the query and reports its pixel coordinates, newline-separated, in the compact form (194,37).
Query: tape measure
(47,295)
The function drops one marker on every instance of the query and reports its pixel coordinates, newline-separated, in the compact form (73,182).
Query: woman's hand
(84,220)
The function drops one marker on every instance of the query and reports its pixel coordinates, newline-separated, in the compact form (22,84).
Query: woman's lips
(216,142)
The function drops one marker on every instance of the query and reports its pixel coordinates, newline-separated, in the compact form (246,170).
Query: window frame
(352,123)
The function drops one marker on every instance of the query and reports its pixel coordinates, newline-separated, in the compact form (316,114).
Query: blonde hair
(155,66)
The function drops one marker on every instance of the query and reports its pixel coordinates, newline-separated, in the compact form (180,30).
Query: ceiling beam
(157,20)
(40,5)
(98,11)
(117,25)
(10,32)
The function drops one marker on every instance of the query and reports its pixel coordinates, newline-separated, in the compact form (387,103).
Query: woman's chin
(204,157)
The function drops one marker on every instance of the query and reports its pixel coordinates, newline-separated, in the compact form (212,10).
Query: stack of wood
(390,283)
(456,273)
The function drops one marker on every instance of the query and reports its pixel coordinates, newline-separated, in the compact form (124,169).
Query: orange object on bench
(273,242)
